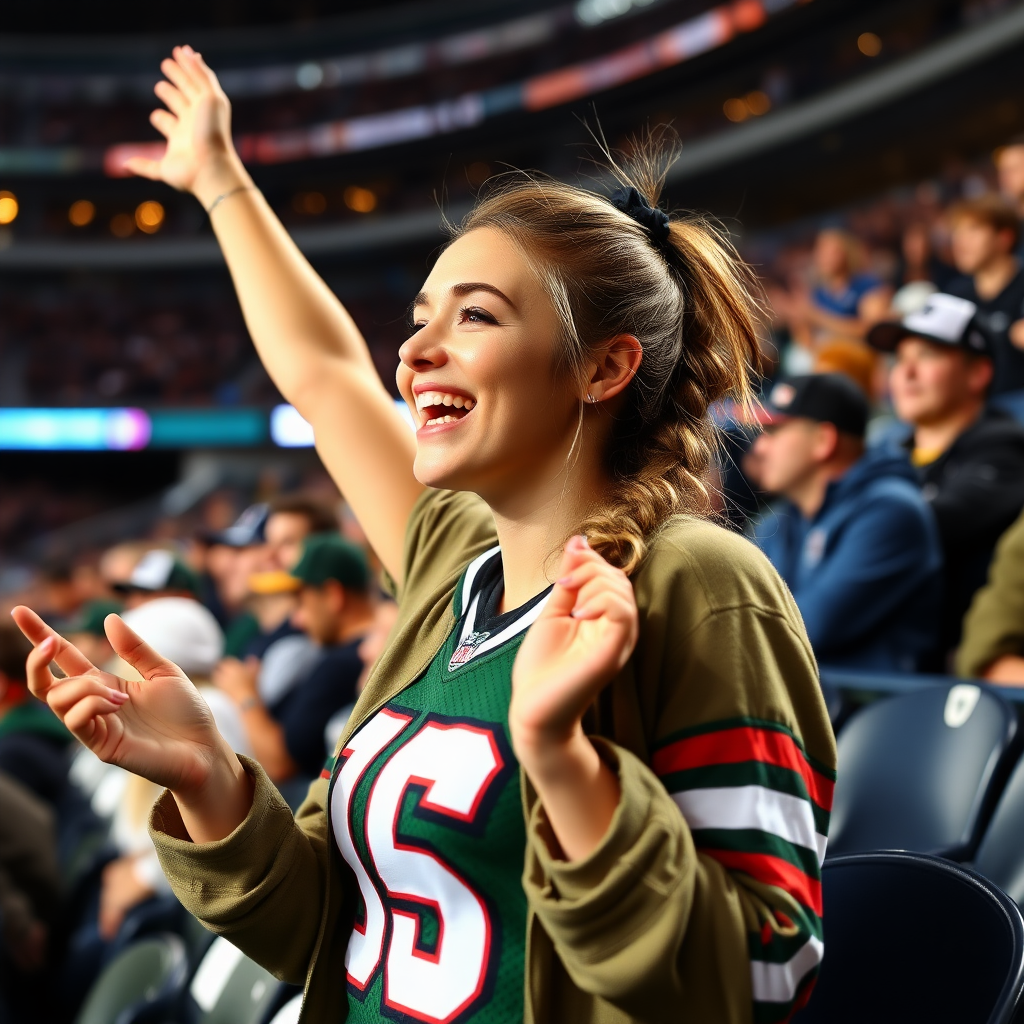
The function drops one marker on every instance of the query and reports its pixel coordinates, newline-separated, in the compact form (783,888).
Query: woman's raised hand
(200,156)
(582,638)
(159,727)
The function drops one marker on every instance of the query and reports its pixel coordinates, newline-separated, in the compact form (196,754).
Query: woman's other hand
(158,727)
(200,156)
(583,637)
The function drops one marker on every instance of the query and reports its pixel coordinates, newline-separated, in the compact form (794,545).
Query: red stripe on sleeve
(744,743)
(772,871)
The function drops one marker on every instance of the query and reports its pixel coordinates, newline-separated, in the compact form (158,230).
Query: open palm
(158,727)
(584,636)
(196,123)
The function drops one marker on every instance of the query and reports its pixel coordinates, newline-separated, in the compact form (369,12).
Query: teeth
(430,399)
(442,419)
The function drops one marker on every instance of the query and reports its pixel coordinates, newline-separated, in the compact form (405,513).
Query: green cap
(91,615)
(326,556)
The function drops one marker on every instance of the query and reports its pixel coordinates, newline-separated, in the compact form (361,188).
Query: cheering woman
(590,778)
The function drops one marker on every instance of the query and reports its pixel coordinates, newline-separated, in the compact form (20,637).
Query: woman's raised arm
(309,344)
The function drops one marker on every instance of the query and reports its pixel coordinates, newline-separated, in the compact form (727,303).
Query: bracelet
(225,195)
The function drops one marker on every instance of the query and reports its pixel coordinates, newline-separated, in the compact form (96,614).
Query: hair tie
(632,204)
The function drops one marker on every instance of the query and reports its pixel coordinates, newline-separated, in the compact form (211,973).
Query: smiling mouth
(437,407)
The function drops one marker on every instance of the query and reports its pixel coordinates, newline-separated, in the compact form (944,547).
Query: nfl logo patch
(466,650)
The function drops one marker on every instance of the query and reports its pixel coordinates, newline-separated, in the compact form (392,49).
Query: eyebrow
(466,288)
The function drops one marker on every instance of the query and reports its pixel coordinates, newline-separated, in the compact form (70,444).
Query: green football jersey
(425,809)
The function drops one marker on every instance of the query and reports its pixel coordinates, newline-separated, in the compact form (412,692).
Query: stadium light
(8,207)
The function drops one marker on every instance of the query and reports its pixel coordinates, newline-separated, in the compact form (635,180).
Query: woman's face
(479,373)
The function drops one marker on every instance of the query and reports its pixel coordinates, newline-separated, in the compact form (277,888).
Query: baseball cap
(824,397)
(92,615)
(326,556)
(160,569)
(943,320)
(247,529)
(182,631)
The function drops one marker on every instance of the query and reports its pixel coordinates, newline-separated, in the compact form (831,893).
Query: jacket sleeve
(703,901)
(994,625)
(883,556)
(263,887)
(978,497)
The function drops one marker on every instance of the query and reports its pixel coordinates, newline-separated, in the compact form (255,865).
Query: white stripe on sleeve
(777,983)
(752,807)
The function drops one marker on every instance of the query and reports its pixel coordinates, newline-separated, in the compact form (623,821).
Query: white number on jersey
(456,764)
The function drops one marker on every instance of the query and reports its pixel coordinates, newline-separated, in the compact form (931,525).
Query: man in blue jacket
(852,537)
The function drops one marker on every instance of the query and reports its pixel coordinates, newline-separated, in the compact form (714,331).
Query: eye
(475,315)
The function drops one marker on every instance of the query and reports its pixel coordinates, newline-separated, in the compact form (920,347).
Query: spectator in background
(34,746)
(30,888)
(993,635)
(335,611)
(985,233)
(279,654)
(157,574)
(918,262)
(291,519)
(969,458)
(843,303)
(1010,167)
(853,538)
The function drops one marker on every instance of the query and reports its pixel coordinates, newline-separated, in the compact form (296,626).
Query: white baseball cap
(943,320)
(182,631)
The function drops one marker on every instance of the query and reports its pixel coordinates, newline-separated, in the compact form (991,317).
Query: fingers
(129,646)
(143,167)
(175,72)
(163,121)
(71,660)
(176,103)
(37,669)
(64,695)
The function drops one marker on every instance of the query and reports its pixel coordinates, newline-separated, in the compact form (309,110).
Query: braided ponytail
(687,299)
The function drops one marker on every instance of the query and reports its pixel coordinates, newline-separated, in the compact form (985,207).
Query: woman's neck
(532,527)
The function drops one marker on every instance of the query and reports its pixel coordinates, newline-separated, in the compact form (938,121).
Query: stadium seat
(916,771)
(229,988)
(144,979)
(1000,855)
(913,939)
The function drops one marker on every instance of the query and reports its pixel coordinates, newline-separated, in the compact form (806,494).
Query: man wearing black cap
(969,457)
(853,538)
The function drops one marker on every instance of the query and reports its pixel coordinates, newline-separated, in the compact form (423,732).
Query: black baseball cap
(945,320)
(823,397)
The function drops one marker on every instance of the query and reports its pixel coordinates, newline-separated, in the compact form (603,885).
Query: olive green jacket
(994,624)
(646,928)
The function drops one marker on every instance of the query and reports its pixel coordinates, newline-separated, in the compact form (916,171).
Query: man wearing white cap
(969,456)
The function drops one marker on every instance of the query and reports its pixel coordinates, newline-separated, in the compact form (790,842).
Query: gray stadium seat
(913,939)
(1000,855)
(916,771)
(146,976)
(229,988)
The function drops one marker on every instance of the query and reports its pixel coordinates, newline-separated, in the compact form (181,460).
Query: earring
(591,398)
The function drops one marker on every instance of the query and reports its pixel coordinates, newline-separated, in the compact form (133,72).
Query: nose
(424,350)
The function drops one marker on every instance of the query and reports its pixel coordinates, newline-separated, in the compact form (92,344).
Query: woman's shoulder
(711,569)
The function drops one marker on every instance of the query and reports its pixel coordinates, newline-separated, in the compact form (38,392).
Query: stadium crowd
(883,477)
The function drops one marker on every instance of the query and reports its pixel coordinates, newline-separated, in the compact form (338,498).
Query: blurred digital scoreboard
(128,429)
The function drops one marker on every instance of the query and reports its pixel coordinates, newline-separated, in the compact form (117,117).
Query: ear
(826,441)
(335,593)
(979,375)
(616,365)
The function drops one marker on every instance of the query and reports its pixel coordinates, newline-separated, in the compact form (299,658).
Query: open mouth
(437,407)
